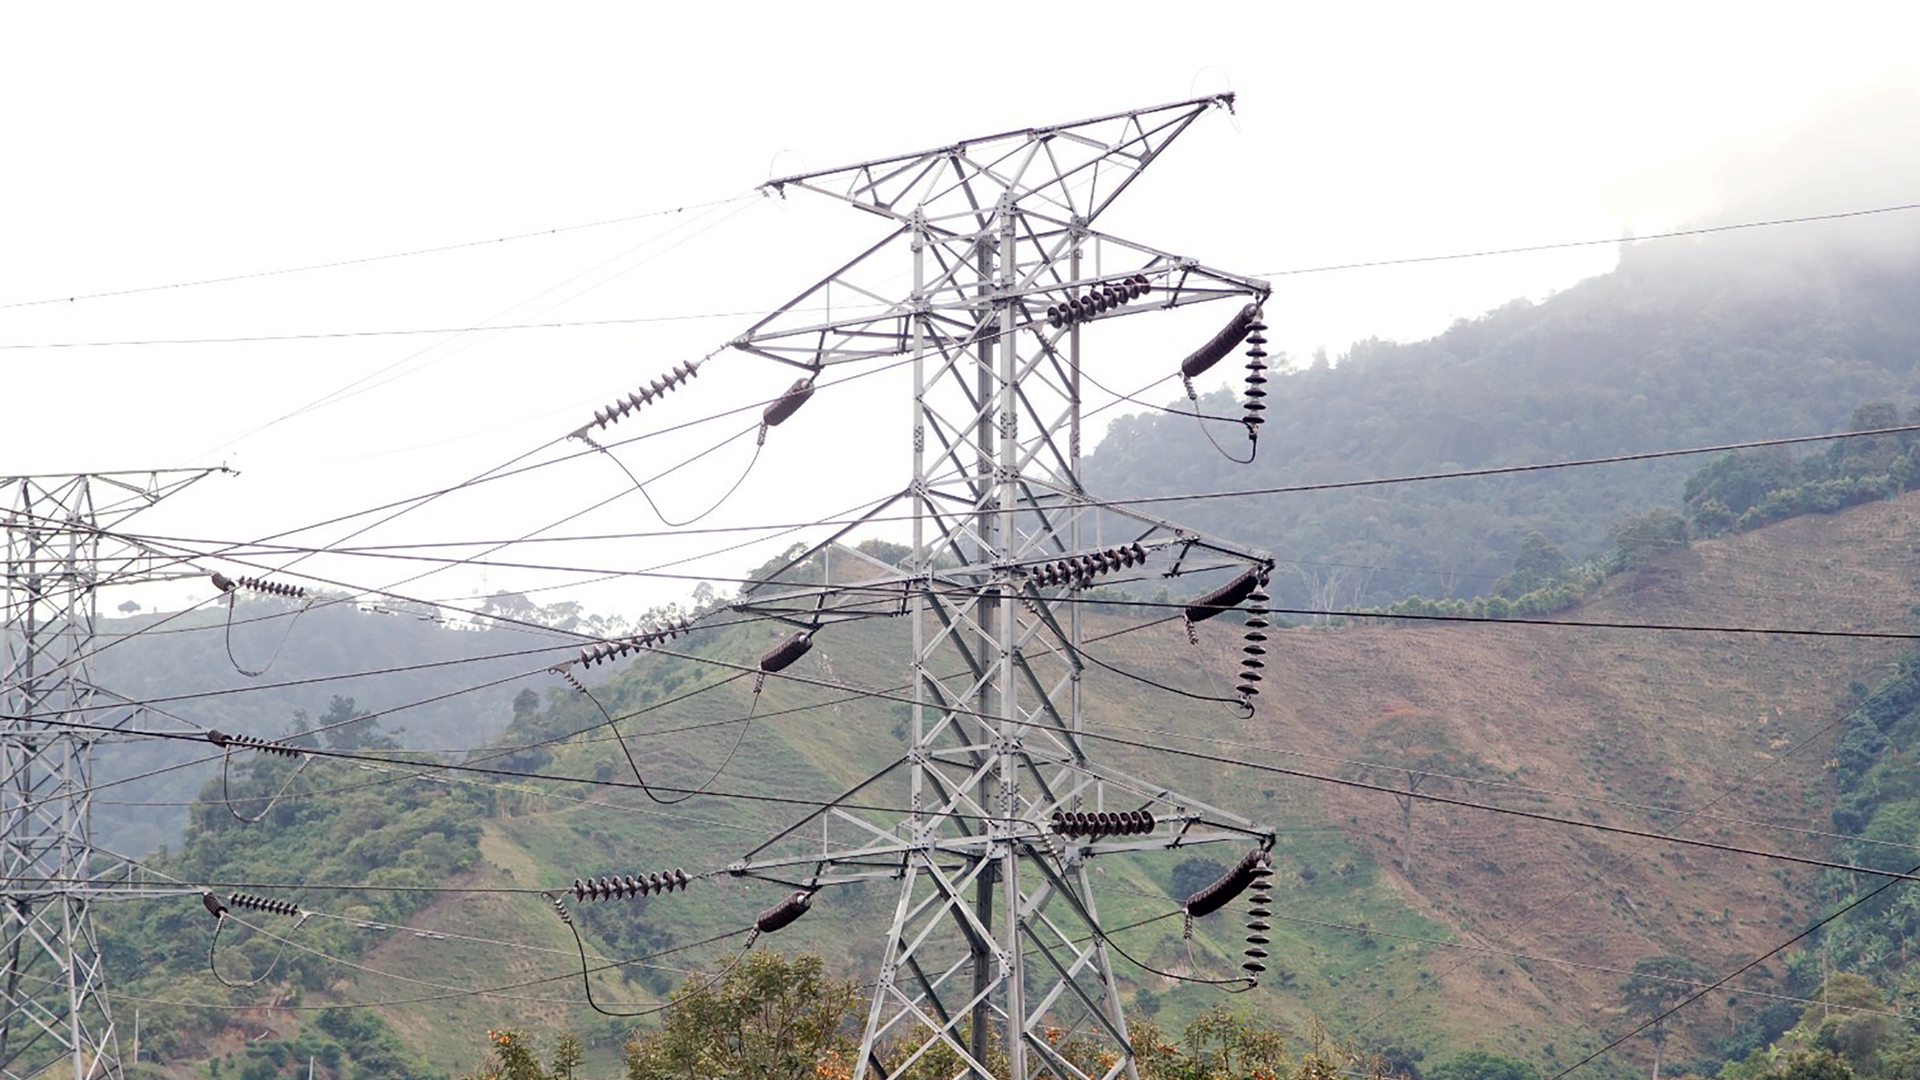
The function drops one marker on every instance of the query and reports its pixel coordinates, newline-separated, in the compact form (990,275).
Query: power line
(1670,235)
(1894,879)
(365,259)
(1531,815)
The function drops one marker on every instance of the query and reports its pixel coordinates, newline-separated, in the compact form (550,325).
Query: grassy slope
(1630,716)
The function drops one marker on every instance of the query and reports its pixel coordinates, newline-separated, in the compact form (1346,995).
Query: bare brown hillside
(1740,724)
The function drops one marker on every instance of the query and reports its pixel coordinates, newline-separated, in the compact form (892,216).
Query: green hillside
(1683,345)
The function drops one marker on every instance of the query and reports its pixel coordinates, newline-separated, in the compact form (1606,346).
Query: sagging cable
(565,672)
(232,586)
(228,743)
(586,981)
(717,503)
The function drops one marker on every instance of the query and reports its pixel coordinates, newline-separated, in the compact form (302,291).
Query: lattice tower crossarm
(54,1015)
(995,934)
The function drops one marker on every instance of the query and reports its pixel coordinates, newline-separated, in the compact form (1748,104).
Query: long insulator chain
(784,406)
(614,650)
(1256,378)
(615,887)
(1130,823)
(1254,651)
(1258,912)
(781,915)
(247,742)
(1079,569)
(260,585)
(262,903)
(1219,893)
(1224,598)
(781,656)
(620,407)
(1098,301)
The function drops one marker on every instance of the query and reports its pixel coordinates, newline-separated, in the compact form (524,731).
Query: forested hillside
(1685,344)
(190,667)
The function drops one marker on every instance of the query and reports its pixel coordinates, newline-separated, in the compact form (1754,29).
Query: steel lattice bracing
(52,988)
(995,938)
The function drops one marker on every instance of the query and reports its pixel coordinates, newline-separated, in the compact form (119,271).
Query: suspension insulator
(618,887)
(271,588)
(1053,317)
(1254,649)
(784,654)
(788,403)
(1224,342)
(1258,912)
(618,409)
(1256,403)
(781,915)
(262,903)
(247,742)
(1095,300)
(614,650)
(1142,285)
(1230,884)
(223,582)
(1226,596)
(1074,823)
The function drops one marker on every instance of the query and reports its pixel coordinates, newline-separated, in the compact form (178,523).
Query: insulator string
(1254,649)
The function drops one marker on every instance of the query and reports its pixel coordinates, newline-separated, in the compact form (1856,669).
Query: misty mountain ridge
(1716,339)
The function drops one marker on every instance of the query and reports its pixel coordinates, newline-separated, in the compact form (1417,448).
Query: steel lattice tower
(995,936)
(52,989)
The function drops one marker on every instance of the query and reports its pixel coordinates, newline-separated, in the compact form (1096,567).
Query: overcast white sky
(146,145)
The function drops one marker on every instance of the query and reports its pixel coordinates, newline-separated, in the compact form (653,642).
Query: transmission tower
(59,552)
(995,936)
